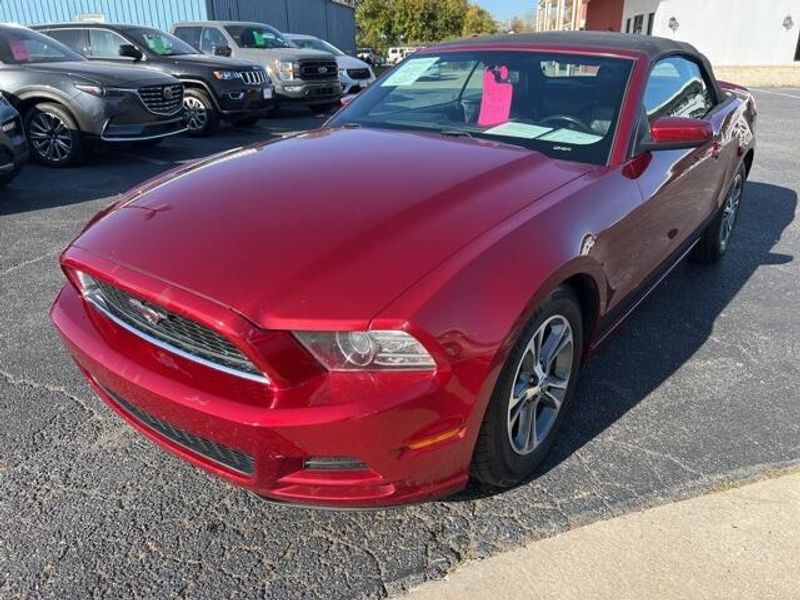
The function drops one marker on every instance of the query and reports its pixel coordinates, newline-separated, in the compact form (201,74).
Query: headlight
(226,75)
(356,350)
(101,90)
(286,70)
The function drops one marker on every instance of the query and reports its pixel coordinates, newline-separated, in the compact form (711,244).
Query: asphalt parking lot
(701,388)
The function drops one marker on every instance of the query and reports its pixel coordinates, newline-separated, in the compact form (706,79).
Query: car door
(681,186)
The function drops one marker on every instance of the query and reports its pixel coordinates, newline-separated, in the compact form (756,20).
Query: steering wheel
(567,119)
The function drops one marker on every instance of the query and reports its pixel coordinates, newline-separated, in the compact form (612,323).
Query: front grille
(162,99)
(177,333)
(316,70)
(256,77)
(226,456)
(358,73)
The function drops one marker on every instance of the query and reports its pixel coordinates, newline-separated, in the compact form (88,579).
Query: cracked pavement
(698,389)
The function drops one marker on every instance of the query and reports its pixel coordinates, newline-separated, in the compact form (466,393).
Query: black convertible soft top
(653,47)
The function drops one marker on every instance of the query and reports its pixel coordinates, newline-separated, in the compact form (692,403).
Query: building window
(650,18)
(628,25)
(638,24)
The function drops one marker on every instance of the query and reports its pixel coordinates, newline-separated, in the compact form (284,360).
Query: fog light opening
(334,463)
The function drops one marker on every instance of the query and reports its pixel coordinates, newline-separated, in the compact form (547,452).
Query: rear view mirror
(130,51)
(221,50)
(677,133)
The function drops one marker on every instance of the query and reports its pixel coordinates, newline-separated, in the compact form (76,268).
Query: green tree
(478,21)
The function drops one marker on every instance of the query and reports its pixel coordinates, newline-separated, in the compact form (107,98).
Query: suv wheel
(53,135)
(201,116)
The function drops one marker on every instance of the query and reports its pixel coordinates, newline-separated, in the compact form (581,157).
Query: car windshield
(22,46)
(260,37)
(160,43)
(565,106)
(317,44)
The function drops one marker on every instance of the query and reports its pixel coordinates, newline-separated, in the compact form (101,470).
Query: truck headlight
(366,350)
(285,70)
(226,75)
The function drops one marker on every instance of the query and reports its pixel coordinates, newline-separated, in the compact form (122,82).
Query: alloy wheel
(730,210)
(196,113)
(50,137)
(540,385)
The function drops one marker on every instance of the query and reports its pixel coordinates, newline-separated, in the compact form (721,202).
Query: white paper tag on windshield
(518,130)
(568,136)
(409,72)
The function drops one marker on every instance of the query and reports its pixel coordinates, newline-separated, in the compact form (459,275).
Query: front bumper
(244,101)
(260,438)
(303,92)
(116,131)
(13,150)
(123,118)
(354,86)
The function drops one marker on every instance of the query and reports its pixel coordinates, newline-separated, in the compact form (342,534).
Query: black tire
(202,117)
(716,238)
(247,121)
(495,461)
(53,136)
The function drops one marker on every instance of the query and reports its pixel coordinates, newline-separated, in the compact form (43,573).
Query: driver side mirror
(130,51)
(677,133)
(221,50)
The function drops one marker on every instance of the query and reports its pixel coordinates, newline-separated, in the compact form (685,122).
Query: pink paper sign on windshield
(18,49)
(497,94)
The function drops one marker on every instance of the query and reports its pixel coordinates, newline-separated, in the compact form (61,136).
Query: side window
(676,88)
(105,43)
(72,38)
(212,37)
(190,35)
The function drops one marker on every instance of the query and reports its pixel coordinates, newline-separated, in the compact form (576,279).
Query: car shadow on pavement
(668,328)
(108,172)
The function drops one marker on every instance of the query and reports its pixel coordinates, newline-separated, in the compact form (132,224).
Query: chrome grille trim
(153,98)
(225,456)
(255,77)
(173,344)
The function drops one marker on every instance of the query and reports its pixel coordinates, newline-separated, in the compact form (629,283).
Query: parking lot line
(770,92)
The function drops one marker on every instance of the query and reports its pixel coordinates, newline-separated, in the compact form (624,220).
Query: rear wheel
(531,394)
(53,134)
(201,115)
(717,236)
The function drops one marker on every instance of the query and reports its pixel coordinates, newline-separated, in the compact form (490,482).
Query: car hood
(105,73)
(350,62)
(331,225)
(211,62)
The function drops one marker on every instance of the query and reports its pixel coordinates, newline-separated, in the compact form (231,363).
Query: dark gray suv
(69,104)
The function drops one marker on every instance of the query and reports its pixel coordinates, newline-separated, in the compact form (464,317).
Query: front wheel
(53,135)
(201,115)
(717,236)
(532,393)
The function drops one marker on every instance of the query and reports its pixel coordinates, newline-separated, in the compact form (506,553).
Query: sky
(505,9)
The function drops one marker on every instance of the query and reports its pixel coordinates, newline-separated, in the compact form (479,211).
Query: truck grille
(256,77)
(162,99)
(223,455)
(316,70)
(175,333)
(358,73)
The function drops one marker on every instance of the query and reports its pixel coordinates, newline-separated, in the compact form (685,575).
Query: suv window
(20,46)
(190,35)
(212,37)
(105,43)
(677,88)
(74,38)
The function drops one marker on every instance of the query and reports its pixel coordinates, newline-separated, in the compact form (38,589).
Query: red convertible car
(516,198)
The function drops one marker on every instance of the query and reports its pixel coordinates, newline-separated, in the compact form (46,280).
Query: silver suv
(306,77)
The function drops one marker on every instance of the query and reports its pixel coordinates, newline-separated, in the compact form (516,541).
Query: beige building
(557,15)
